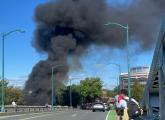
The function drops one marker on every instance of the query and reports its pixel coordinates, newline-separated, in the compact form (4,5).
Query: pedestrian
(133,108)
(14,104)
(117,108)
(121,108)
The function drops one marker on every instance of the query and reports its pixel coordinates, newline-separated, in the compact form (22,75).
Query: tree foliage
(137,91)
(87,91)
(11,93)
(114,92)
(91,88)
(75,92)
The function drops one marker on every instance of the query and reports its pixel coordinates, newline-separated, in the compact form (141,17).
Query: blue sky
(120,2)
(20,56)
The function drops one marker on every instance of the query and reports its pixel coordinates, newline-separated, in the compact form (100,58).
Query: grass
(112,115)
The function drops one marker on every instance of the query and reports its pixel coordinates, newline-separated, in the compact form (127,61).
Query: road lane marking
(36,116)
(107,117)
(19,115)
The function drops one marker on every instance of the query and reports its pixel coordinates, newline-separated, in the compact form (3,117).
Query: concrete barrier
(20,108)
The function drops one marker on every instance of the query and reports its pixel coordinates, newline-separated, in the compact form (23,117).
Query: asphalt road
(63,115)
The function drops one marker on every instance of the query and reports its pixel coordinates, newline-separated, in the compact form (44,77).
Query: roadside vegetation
(11,93)
(88,90)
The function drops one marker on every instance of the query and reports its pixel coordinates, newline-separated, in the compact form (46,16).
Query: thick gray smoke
(66,28)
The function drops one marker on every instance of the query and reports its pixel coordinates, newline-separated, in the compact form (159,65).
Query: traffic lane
(25,115)
(94,116)
(38,116)
(72,115)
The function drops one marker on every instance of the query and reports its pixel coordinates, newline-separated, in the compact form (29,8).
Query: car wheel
(93,110)
(103,110)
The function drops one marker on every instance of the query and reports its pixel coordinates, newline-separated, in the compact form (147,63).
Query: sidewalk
(112,115)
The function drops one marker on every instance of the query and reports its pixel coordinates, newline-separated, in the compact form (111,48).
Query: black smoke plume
(66,28)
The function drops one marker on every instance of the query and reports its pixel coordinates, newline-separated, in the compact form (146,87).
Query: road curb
(107,117)
(111,115)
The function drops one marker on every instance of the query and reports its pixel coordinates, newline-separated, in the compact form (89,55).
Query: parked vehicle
(86,106)
(98,107)
(106,107)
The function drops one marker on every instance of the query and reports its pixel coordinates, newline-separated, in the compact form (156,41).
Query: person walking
(117,107)
(121,108)
(133,108)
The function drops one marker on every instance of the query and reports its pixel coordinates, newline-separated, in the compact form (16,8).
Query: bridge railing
(154,94)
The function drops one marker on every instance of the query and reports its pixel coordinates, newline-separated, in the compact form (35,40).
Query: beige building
(139,74)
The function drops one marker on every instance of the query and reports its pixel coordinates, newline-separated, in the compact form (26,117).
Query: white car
(98,107)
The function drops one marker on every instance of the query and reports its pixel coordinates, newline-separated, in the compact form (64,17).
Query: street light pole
(70,88)
(119,71)
(3,65)
(128,58)
(128,64)
(53,93)
(70,94)
(52,88)
(3,96)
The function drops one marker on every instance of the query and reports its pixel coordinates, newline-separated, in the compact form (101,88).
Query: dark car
(98,107)
(86,106)
(106,106)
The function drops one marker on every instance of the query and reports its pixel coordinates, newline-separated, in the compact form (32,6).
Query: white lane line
(19,115)
(74,115)
(35,117)
(107,116)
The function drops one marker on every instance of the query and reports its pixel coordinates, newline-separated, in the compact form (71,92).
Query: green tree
(76,98)
(137,91)
(91,89)
(114,92)
(11,93)
(16,94)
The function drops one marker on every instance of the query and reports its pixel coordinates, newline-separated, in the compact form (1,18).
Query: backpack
(133,109)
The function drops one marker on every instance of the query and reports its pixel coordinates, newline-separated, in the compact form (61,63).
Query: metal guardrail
(20,108)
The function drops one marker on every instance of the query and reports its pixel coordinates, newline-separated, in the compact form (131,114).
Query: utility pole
(3,65)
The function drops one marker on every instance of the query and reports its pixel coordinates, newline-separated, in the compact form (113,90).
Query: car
(86,106)
(98,107)
(106,106)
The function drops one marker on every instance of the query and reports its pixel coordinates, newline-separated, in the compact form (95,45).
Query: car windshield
(98,104)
